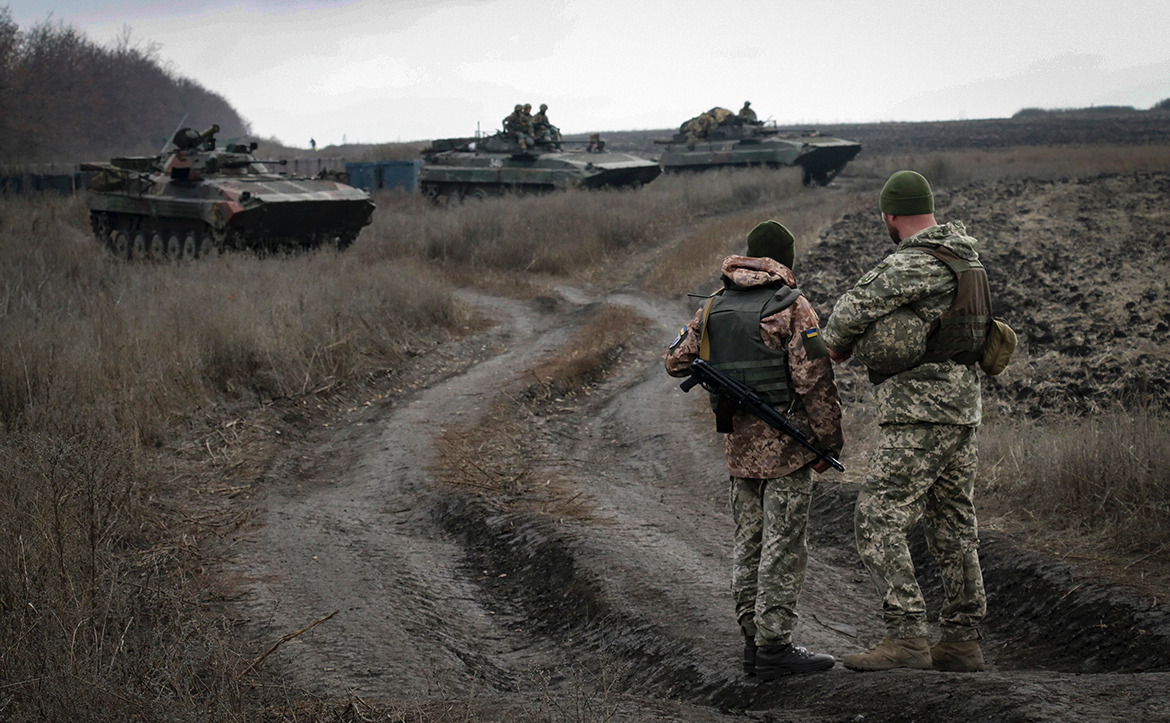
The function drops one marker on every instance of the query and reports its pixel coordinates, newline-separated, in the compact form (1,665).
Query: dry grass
(102,365)
(1106,477)
(504,462)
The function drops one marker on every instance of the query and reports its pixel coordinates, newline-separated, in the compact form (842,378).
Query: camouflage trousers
(927,472)
(771,552)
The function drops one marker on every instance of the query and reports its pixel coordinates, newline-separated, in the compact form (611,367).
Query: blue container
(383,175)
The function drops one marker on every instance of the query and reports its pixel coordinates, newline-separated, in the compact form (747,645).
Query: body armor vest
(961,332)
(730,340)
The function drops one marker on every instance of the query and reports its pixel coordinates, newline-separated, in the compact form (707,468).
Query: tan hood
(748,271)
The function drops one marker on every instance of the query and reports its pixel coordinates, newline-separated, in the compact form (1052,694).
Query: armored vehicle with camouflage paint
(194,199)
(720,138)
(457,168)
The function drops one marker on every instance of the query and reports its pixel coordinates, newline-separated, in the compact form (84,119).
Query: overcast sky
(367,71)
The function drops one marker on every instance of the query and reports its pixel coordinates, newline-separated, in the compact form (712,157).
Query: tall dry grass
(565,232)
(1106,477)
(101,365)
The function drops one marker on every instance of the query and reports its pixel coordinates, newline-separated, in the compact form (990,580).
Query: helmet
(893,343)
(544,106)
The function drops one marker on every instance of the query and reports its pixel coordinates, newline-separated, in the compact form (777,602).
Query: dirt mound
(1077,269)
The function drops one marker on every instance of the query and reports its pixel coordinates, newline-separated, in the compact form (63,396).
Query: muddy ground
(585,576)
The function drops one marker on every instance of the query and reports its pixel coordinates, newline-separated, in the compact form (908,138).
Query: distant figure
(746,113)
(519,126)
(313,143)
(542,130)
(596,145)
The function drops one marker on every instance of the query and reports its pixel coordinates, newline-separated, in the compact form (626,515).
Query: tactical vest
(729,338)
(961,332)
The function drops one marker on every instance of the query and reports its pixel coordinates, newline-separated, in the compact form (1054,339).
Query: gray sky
(403,70)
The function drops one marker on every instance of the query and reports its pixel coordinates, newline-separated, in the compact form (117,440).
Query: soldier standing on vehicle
(746,114)
(928,412)
(760,329)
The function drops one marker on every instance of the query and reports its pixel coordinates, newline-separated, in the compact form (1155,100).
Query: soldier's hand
(840,356)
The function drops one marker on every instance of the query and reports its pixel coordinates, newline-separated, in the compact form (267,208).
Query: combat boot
(892,653)
(775,661)
(960,657)
(749,655)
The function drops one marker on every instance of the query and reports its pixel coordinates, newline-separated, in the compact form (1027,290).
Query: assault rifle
(744,396)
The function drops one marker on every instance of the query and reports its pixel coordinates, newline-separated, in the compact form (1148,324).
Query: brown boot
(960,657)
(892,653)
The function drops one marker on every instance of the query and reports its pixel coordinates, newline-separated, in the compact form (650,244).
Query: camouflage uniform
(924,466)
(770,476)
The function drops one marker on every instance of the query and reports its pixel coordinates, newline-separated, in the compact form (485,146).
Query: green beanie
(907,194)
(771,239)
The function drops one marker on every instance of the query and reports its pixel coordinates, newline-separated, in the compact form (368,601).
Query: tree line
(64,98)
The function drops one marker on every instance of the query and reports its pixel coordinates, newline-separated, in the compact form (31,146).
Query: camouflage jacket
(754,449)
(936,392)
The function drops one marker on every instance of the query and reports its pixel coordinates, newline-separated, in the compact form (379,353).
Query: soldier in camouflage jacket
(925,462)
(770,474)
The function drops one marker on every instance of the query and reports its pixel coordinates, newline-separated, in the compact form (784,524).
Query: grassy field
(118,380)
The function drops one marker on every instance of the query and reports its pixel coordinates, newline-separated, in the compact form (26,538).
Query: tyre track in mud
(366,544)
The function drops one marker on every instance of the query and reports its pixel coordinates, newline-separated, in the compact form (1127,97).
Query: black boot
(749,655)
(774,661)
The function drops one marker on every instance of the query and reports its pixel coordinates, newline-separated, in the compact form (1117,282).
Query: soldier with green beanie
(759,329)
(928,410)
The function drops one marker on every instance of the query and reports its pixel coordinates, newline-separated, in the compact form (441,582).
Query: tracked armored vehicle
(722,139)
(194,199)
(457,168)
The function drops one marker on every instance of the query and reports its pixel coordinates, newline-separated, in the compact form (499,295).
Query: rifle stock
(717,382)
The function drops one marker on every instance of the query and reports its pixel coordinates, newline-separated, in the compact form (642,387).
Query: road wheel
(174,247)
(158,247)
(138,246)
(120,245)
(190,247)
(207,247)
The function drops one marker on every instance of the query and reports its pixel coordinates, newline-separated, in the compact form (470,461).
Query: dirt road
(608,597)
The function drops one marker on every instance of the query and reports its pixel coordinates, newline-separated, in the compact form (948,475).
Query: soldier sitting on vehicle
(519,126)
(542,130)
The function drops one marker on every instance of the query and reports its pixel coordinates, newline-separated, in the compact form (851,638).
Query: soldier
(746,114)
(925,462)
(518,126)
(512,120)
(526,119)
(542,130)
(760,329)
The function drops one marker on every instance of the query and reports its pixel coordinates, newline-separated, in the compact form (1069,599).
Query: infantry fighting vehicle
(456,168)
(194,199)
(722,139)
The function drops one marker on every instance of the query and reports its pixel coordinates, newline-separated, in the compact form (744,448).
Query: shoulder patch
(682,334)
(873,273)
(814,345)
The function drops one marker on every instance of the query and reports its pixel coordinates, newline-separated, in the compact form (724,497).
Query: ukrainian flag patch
(814,345)
(682,334)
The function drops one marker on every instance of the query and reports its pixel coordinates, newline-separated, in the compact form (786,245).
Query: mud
(601,590)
